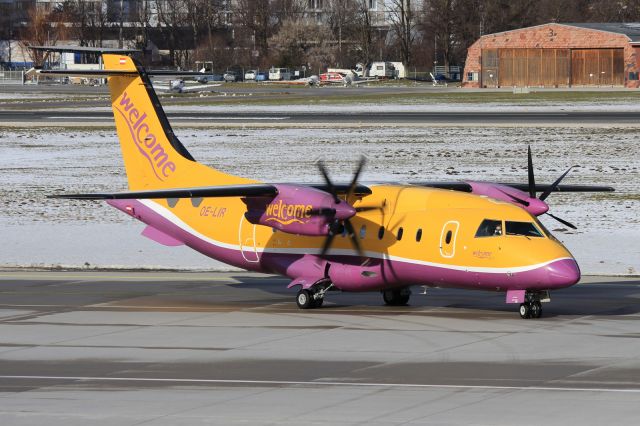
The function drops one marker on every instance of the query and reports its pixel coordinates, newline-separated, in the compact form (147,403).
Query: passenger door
(448,239)
(247,240)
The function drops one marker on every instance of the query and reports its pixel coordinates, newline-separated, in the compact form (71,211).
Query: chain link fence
(11,77)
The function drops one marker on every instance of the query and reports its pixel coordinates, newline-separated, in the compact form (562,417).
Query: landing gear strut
(531,308)
(312,297)
(396,296)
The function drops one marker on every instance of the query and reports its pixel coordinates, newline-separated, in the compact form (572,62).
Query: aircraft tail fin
(154,157)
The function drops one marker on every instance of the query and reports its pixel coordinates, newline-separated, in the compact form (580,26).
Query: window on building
(373,4)
(315,4)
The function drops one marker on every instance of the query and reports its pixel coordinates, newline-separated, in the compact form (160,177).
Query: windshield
(527,229)
(489,228)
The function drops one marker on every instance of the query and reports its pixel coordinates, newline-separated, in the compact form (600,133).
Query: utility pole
(120,41)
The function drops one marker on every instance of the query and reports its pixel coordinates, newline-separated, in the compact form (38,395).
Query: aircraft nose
(563,273)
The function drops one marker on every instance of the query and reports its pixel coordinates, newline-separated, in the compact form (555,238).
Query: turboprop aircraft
(334,237)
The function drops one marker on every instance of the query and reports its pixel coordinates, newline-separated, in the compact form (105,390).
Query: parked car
(207,78)
(231,77)
(250,75)
(262,76)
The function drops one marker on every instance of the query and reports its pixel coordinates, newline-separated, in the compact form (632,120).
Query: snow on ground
(37,231)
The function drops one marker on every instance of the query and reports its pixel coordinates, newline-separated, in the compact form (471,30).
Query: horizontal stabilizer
(101,73)
(84,49)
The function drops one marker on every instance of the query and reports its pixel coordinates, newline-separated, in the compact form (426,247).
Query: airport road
(131,348)
(293,118)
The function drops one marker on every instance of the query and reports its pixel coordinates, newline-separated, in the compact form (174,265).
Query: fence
(11,77)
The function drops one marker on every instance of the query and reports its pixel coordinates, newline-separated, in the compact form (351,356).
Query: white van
(279,74)
(382,70)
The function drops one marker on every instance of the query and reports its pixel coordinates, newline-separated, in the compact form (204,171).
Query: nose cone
(344,211)
(537,207)
(563,273)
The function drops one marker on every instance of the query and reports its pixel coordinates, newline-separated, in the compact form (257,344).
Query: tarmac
(168,348)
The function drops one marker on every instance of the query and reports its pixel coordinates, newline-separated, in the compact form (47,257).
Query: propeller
(338,225)
(545,194)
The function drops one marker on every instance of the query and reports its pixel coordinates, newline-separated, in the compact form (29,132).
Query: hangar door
(534,67)
(597,67)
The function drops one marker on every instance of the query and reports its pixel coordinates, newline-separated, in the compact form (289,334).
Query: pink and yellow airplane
(355,238)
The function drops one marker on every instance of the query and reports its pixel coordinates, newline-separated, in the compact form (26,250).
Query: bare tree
(43,28)
(402,15)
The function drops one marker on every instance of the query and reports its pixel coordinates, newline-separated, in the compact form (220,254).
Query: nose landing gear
(532,307)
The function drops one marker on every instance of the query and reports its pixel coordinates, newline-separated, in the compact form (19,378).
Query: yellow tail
(153,156)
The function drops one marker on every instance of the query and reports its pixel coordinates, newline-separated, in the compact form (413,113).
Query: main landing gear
(312,297)
(396,296)
(532,307)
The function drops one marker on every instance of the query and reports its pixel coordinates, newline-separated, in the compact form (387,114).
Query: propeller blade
(323,212)
(327,243)
(354,181)
(564,222)
(354,238)
(368,209)
(554,186)
(516,199)
(325,175)
(532,179)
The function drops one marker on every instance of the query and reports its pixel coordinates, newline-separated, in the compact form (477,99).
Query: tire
(536,310)
(304,299)
(395,297)
(525,311)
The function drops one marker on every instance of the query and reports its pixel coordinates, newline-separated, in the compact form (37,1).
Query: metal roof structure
(630,29)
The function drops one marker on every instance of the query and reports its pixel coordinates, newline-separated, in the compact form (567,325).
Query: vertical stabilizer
(153,156)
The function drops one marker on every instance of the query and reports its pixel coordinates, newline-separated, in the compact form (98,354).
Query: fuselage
(410,236)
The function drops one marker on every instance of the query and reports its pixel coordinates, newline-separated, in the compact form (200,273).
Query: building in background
(557,55)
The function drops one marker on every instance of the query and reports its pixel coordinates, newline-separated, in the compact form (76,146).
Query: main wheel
(536,309)
(304,299)
(395,297)
(525,311)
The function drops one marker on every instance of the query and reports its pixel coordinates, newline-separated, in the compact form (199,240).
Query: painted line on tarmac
(321,383)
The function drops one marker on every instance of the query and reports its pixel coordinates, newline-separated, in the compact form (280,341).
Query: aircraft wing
(465,187)
(200,88)
(250,190)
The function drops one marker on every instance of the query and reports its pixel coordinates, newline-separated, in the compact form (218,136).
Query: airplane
(326,237)
(179,86)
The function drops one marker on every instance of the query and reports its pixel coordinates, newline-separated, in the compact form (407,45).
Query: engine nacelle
(511,195)
(298,209)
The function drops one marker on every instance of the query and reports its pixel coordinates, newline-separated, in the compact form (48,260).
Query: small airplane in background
(328,237)
(180,86)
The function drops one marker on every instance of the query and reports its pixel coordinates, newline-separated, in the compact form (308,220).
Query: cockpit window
(489,228)
(527,229)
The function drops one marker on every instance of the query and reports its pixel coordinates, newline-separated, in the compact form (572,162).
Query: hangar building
(556,55)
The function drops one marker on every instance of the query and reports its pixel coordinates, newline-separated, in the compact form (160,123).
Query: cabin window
(274,230)
(489,228)
(400,232)
(419,235)
(363,231)
(447,239)
(381,232)
(526,229)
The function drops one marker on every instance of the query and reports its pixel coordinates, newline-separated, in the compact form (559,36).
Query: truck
(279,74)
(382,70)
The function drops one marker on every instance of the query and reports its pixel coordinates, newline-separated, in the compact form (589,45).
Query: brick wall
(551,36)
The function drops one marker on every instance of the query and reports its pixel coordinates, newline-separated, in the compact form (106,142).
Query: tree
(43,29)
(402,15)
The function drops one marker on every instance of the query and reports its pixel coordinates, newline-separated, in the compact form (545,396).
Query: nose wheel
(531,310)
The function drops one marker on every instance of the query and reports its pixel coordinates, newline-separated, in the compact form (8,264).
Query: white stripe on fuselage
(171,217)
